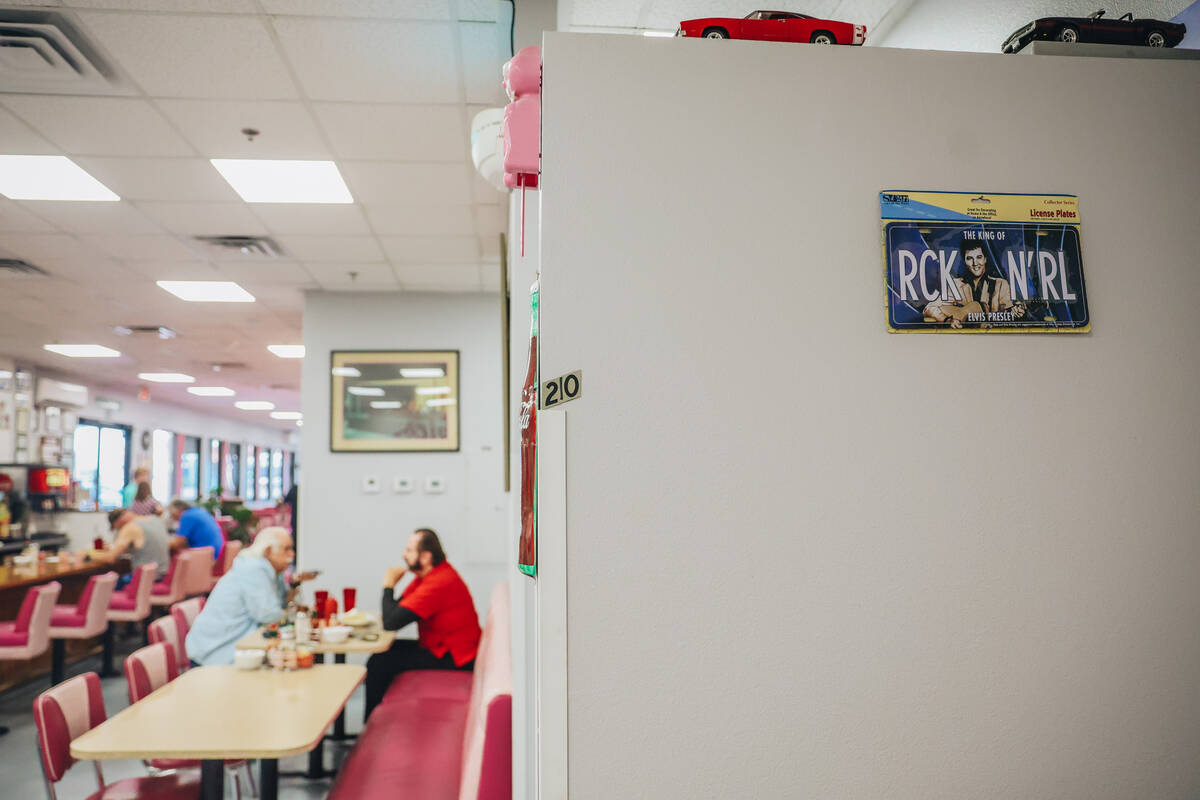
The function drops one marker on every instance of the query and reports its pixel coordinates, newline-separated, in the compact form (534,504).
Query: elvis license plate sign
(957,262)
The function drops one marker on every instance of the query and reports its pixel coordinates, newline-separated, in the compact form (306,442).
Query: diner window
(262,487)
(233,463)
(213,470)
(248,489)
(101,458)
(276,474)
(162,465)
(189,468)
(289,460)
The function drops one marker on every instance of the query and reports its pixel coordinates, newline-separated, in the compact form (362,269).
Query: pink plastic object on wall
(522,126)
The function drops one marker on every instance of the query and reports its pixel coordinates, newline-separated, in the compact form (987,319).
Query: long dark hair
(143,491)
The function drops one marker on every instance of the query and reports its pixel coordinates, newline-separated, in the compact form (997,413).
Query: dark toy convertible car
(1098,29)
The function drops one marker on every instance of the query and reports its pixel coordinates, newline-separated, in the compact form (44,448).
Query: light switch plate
(370,484)
(435,485)
(402,485)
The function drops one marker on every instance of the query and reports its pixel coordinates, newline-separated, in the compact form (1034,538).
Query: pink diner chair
(165,630)
(86,619)
(71,709)
(225,563)
(198,567)
(149,669)
(131,604)
(170,589)
(28,636)
(184,613)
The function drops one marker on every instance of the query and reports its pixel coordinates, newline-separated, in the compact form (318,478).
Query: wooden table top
(224,712)
(15,577)
(255,641)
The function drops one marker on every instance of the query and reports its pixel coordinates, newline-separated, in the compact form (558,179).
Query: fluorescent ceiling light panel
(286,415)
(433,390)
(270,181)
(299,423)
(366,391)
(386,404)
(441,401)
(211,391)
(49,178)
(422,372)
(287,350)
(82,350)
(255,405)
(345,372)
(166,377)
(207,291)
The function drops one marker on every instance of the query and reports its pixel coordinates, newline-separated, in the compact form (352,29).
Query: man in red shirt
(441,605)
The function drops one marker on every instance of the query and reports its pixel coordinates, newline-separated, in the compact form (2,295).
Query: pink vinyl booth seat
(131,604)
(84,620)
(165,630)
(73,708)
(440,734)
(28,635)
(149,669)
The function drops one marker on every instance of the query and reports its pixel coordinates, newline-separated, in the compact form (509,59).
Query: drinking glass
(348,598)
(321,601)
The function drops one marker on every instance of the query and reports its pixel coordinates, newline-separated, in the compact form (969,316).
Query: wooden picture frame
(394,401)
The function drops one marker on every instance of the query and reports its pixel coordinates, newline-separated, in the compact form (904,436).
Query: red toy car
(775,26)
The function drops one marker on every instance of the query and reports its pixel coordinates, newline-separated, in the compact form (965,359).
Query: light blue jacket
(250,594)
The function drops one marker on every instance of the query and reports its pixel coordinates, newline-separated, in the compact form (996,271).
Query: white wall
(794,567)
(983,25)
(353,536)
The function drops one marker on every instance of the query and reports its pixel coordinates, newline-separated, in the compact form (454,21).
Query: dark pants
(402,656)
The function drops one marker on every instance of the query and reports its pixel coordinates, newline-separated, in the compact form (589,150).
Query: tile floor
(23,774)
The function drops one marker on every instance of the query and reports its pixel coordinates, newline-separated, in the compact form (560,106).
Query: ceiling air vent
(224,366)
(16,268)
(242,247)
(45,52)
(160,331)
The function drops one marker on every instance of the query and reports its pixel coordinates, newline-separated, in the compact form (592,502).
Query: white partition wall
(806,558)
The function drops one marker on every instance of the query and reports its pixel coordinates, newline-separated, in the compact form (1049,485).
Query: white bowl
(248,659)
(335,634)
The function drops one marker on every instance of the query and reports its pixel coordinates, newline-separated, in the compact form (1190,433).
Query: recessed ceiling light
(49,178)
(271,181)
(211,391)
(345,372)
(286,415)
(433,390)
(299,423)
(386,404)
(287,350)
(254,405)
(441,401)
(166,377)
(82,350)
(207,291)
(366,391)
(422,372)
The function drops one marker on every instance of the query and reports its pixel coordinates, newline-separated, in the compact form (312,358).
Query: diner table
(355,644)
(222,712)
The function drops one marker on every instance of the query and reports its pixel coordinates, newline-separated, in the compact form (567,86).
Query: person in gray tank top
(145,539)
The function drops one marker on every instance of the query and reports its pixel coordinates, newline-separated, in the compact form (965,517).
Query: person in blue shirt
(252,593)
(196,528)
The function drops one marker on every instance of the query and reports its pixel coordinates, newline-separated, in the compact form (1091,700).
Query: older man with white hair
(253,592)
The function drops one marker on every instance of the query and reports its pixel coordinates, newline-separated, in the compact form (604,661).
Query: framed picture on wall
(393,401)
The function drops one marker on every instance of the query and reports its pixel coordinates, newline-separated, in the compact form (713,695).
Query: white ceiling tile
(81,217)
(371,62)
(157,247)
(376,9)
(384,183)
(280,298)
(179,180)
(208,6)
(100,272)
(395,132)
(195,56)
(429,220)
(351,249)
(431,249)
(483,192)
(37,247)
(317,219)
(484,51)
(365,277)
(174,271)
(442,277)
(273,272)
(18,139)
(489,247)
(106,126)
(205,219)
(481,10)
(489,277)
(286,130)
(490,220)
(14,219)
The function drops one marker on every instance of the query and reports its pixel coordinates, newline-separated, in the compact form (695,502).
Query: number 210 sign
(562,389)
